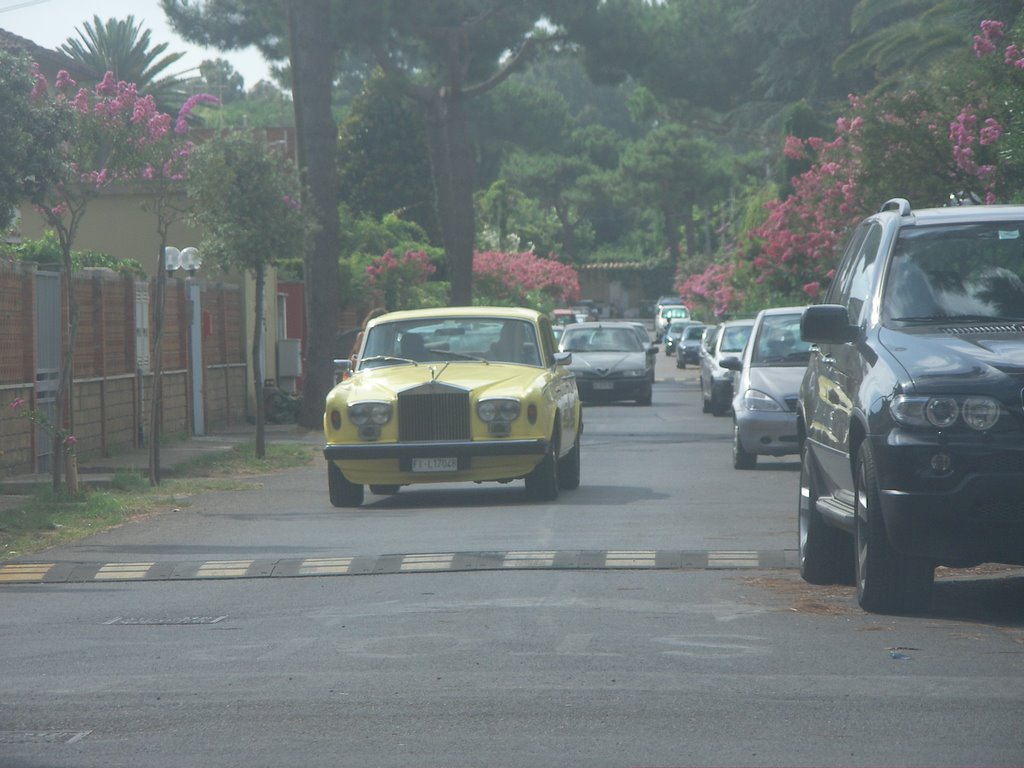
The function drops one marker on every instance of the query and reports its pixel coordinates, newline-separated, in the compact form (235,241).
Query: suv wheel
(741,459)
(826,554)
(887,582)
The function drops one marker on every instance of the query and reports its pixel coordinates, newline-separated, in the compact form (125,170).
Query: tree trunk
(453,166)
(312,53)
(257,360)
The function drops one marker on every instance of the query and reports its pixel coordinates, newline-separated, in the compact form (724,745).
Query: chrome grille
(440,415)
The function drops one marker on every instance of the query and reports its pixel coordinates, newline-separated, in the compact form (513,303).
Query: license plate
(604,385)
(445,464)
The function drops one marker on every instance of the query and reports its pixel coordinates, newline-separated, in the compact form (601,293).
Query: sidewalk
(98,471)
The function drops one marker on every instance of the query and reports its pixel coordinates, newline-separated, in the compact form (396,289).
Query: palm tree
(123,47)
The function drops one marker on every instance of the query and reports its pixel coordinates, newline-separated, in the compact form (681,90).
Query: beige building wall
(116,222)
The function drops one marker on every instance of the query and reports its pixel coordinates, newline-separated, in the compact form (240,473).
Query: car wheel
(569,468)
(887,582)
(826,554)
(647,397)
(719,405)
(542,482)
(342,492)
(705,403)
(384,490)
(741,459)
(680,363)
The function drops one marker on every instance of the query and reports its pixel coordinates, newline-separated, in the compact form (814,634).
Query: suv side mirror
(731,363)
(827,324)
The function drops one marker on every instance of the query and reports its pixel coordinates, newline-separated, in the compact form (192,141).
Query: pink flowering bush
(523,280)
(404,280)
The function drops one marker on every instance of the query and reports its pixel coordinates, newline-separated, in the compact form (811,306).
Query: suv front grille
(433,416)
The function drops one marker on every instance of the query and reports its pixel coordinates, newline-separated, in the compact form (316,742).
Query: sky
(50,23)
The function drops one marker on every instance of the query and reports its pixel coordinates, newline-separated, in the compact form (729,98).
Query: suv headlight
(498,409)
(755,400)
(375,413)
(942,412)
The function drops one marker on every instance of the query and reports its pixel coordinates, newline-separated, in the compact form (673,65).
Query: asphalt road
(652,617)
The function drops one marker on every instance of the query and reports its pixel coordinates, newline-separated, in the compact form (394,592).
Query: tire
(542,482)
(569,468)
(342,492)
(384,490)
(705,402)
(680,363)
(825,553)
(719,405)
(741,459)
(887,582)
(647,397)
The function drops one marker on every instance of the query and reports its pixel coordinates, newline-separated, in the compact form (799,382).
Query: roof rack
(896,203)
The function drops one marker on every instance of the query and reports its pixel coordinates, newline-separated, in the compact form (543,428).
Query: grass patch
(45,519)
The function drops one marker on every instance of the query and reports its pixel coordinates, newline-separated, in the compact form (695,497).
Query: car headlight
(371,412)
(755,400)
(498,409)
(635,372)
(942,412)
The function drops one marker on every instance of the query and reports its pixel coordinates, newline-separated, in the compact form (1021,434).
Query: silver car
(610,361)
(769,376)
(716,381)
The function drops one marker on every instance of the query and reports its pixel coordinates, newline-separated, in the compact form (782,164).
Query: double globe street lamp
(189,260)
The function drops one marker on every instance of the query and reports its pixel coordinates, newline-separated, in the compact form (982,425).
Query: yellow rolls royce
(455,394)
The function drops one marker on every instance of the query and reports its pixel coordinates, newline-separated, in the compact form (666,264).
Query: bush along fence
(203,352)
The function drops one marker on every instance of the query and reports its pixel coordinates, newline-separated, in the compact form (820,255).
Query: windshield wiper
(459,355)
(387,359)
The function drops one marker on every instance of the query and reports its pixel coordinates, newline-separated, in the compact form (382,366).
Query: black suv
(911,412)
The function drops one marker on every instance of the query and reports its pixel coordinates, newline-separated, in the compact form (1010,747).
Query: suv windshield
(962,272)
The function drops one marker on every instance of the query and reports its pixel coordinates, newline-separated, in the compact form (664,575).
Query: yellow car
(455,394)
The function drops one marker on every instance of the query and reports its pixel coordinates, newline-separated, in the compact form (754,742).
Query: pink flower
(17,402)
(812,289)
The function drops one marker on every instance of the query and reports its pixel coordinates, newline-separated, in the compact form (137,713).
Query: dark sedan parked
(911,416)
(610,361)
(688,348)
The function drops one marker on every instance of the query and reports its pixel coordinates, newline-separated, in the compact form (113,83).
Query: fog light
(335,419)
(942,463)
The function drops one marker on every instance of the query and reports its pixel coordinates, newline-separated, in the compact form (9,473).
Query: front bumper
(767,433)
(973,514)
(475,460)
(613,389)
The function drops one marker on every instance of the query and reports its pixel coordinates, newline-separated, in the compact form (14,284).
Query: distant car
(642,332)
(665,315)
(688,347)
(610,361)
(769,376)
(716,382)
(456,394)
(910,412)
(673,334)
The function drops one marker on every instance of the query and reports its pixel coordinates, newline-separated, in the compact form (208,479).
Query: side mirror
(342,369)
(827,324)
(563,358)
(653,349)
(731,363)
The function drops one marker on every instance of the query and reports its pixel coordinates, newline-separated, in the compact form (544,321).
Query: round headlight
(942,411)
(362,414)
(980,412)
(497,410)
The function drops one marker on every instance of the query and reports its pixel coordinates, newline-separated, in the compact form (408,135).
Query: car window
(778,342)
(601,340)
(857,278)
(693,332)
(734,339)
(958,270)
(845,263)
(451,338)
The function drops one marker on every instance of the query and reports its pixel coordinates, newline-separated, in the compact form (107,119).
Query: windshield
(445,339)
(601,340)
(778,342)
(693,333)
(973,271)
